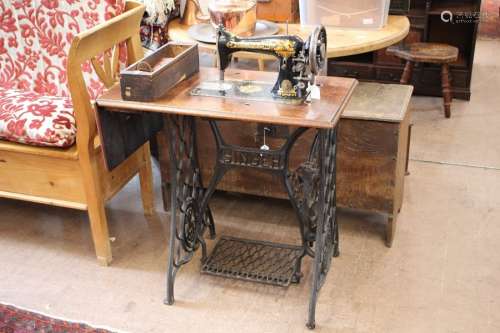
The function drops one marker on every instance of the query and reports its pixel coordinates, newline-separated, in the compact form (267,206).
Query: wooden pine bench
(70,173)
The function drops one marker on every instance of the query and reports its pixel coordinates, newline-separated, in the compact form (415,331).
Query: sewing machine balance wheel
(317,49)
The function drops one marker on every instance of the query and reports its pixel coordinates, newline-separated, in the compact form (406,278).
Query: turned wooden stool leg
(445,82)
(406,77)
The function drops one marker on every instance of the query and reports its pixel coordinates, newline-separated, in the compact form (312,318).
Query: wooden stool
(428,53)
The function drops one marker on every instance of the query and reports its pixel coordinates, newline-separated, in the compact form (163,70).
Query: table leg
(407,73)
(327,240)
(447,97)
(312,192)
(188,221)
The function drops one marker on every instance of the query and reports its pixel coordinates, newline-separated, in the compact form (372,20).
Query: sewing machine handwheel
(317,49)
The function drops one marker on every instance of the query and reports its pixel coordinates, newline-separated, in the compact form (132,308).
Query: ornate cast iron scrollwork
(311,189)
(305,182)
(327,243)
(187,229)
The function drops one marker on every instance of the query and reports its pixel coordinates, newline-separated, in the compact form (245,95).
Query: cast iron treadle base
(256,261)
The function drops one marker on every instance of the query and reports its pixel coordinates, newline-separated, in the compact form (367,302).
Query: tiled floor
(442,275)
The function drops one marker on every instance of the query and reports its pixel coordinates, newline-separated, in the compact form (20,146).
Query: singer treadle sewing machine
(299,63)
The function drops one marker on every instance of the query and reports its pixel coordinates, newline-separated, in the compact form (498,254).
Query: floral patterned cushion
(37,119)
(35,37)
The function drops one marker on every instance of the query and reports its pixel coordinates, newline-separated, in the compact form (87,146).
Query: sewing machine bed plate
(241,89)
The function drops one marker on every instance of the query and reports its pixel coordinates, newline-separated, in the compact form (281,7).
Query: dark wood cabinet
(427,25)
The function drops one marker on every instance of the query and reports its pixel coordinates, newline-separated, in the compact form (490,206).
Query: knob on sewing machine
(299,61)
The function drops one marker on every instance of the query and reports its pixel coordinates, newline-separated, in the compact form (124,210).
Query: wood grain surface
(322,113)
(163,69)
(426,52)
(380,102)
(341,41)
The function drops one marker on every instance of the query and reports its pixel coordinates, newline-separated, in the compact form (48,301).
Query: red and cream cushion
(36,119)
(35,37)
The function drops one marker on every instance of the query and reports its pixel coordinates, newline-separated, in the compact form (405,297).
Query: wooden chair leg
(445,82)
(407,73)
(146,179)
(95,208)
(100,234)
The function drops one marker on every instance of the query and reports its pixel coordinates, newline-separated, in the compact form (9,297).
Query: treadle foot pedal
(256,261)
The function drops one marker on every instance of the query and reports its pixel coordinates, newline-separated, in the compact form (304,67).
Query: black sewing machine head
(300,61)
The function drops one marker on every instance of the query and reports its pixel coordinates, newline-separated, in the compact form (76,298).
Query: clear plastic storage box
(345,13)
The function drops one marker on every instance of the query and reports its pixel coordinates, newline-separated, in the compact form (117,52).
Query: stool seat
(435,53)
(425,52)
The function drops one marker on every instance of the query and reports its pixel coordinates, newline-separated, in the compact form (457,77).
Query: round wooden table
(341,42)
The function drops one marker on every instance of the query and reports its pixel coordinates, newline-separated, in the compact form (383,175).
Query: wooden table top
(341,41)
(322,113)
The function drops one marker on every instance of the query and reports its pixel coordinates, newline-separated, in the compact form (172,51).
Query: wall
(490,19)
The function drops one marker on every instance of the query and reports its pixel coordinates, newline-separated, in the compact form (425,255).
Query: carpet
(15,320)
